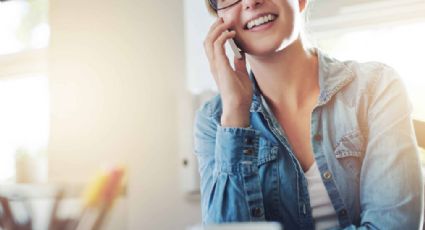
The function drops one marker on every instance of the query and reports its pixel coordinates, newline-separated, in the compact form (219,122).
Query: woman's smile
(260,21)
(262,27)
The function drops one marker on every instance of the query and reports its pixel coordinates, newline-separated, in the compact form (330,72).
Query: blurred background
(89,86)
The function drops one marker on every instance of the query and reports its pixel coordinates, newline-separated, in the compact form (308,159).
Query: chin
(285,44)
(261,52)
(270,45)
(267,48)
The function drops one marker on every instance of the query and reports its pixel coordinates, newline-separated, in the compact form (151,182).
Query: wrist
(235,119)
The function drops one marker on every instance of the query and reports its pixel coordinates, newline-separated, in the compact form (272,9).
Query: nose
(251,4)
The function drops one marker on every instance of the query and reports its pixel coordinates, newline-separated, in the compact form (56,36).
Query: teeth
(260,21)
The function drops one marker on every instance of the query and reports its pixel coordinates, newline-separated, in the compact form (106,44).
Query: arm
(391,186)
(230,185)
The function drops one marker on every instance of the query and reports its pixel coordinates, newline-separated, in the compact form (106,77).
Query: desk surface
(38,191)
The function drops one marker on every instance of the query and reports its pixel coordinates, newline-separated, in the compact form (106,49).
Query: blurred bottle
(31,166)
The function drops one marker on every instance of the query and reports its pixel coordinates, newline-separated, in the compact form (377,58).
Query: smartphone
(235,48)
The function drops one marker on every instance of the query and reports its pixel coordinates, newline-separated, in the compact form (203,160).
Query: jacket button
(248,151)
(248,141)
(327,175)
(256,212)
(317,137)
(343,212)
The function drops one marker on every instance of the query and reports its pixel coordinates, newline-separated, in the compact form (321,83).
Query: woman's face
(269,37)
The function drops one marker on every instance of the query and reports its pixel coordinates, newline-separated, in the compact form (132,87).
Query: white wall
(116,75)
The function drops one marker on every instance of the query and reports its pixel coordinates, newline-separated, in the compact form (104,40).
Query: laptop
(240,226)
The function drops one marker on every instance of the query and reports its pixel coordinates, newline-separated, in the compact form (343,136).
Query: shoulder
(376,87)
(351,79)
(368,75)
(361,86)
(375,81)
(366,80)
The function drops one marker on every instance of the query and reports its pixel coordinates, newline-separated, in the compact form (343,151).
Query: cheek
(230,16)
(230,21)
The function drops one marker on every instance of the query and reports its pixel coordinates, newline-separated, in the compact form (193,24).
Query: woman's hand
(234,84)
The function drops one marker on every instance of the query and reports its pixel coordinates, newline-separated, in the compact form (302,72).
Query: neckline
(311,169)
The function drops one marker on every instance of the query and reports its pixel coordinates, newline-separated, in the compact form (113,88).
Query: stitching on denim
(272,155)
(345,136)
(338,87)
(356,133)
(342,154)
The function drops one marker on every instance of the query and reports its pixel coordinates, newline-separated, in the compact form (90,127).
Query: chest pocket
(267,152)
(349,151)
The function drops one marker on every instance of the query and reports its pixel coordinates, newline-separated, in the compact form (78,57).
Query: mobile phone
(235,48)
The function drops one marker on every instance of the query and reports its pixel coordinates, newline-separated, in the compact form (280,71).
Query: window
(24,119)
(399,46)
(24,99)
(23,25)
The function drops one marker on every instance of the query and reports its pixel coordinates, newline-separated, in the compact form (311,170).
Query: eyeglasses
(223,4)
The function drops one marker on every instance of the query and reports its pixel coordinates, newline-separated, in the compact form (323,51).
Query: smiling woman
(299,137)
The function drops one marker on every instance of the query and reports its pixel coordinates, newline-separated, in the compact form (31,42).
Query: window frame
(349,16)
(25,62)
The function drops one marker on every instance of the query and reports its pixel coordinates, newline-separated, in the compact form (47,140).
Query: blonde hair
(211,10)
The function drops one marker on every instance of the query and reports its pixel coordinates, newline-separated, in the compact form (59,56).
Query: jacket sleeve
(391,184)
(227,157)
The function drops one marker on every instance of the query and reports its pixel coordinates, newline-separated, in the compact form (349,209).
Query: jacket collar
(333,76)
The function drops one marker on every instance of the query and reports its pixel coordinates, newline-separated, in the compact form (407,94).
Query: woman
(303,139)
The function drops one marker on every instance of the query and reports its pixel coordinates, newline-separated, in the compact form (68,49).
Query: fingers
(214,46)
(219,49)
(214,26)
(215,31)
(240,64)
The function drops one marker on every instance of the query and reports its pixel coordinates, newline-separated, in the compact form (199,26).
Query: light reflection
(24,119)
(40,36)
(401,47)
(10,18)
(23,26)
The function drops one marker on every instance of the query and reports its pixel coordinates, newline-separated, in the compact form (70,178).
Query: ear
(302,4)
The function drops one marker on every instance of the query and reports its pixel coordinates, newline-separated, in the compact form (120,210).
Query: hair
(306,35)
(210,9)
(213,12)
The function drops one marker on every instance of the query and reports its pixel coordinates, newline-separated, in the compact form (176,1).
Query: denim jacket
(363,143)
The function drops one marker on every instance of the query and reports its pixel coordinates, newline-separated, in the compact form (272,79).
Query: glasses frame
(214,6)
